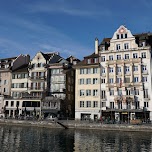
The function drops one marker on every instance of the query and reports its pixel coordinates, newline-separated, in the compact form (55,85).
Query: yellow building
(87,87)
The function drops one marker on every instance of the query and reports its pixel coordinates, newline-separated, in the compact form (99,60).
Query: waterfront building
(126,67)
(87,87)
(70,87)
(5,75)
(52,104)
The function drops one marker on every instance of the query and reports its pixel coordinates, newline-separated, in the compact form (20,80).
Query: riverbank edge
(78,125)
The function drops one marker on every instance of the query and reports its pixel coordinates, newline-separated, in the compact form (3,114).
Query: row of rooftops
(22,62)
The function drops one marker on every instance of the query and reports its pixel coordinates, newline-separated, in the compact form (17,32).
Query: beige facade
(87,88)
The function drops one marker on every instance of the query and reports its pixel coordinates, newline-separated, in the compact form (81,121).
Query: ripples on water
(30,139)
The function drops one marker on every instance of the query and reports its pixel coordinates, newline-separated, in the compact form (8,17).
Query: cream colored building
(87,87)
(126,67)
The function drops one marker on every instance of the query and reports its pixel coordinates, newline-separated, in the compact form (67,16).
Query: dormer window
(102,48)
(121,36)
(117,36)
(89,61)
(95,60)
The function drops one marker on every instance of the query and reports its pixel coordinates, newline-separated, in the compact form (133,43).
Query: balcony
(37,88)
(124,98)
(110,85)
(136,60)
(119,61)
(145,72)
(38,77)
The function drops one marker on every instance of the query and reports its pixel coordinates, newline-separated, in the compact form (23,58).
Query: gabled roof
(48,55)
(23,68)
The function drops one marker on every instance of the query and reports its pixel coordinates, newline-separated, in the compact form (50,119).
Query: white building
(126,68)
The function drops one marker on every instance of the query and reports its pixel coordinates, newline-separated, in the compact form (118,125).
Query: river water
(33,139)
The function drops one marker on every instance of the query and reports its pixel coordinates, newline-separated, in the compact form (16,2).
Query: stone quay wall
(72,124)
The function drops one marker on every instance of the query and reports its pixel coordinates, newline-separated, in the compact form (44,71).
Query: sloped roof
(23,68)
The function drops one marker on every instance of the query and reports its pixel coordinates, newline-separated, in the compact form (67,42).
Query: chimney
(96,45)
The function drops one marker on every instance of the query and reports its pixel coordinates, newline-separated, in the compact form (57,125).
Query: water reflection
(30,139)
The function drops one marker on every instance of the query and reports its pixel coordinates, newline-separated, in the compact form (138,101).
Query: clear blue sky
(67,26)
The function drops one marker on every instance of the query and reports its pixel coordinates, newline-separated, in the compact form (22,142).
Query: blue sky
(66,26)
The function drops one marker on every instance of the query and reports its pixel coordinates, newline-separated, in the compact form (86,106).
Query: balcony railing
(38,77)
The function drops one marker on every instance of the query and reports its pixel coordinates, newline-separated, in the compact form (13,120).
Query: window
(135,68)
(135,55)
(95,70)
(111,80)
(81,92)
(118,80)
(146,93)
(143,55)
(117,46)
(126,56)
(119,92)
(111,57)
(118,57)
(88,92)
(144,79)
(146,104)
(111,91)
(95,80)
(95,104)
(17,103)
(144,67)
(95,60)
(135,79)
(117,36)
(81,103)
(88,81)
(5,81)
(103,58)
(82,71)
(88,71)
(12,103)
(121,36)
(128,92)
(89,61)
(112,105)
(6,103)
(95,92)
(126,35)
(136,91)
(103,94)
(126,46)
(103,70)
(103,104)
(102,48)
(103,81)
(88,104)
(111,70)
(127,79)
(118,69)
(127,68)
(81,81)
